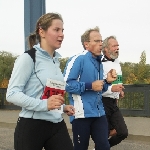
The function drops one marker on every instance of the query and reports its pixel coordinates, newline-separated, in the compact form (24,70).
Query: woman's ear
(41,33)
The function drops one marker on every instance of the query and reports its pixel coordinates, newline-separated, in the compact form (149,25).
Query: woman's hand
(55,102)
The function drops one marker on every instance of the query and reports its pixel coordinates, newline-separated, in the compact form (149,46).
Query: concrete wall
(136,125)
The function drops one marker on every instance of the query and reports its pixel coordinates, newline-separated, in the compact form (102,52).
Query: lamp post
(33,9)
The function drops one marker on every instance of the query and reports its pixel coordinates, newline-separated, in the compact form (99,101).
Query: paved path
(8,122)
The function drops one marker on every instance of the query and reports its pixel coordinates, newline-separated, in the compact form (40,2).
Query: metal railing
(135,103)
(4,104)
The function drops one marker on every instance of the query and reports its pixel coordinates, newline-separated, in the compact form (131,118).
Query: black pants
(34,134)
(115,121)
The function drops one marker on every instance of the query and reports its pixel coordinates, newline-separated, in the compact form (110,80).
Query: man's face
(94,45)
(112,51)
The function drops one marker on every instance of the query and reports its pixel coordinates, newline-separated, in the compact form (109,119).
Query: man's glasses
(97,41)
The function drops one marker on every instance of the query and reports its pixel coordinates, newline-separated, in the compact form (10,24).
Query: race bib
(53,87)
(119,80)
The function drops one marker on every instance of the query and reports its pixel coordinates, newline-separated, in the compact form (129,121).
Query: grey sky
(128,20)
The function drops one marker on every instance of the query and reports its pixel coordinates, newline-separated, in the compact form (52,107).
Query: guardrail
(135,103)
(3,103)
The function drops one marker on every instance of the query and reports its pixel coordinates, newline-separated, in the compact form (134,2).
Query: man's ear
(86,44)
(106,49)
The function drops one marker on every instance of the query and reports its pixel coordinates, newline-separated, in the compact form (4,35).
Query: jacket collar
(105,58)
(37,47)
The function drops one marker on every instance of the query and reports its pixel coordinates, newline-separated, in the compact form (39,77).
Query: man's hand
(117,88)
(111,76)
(97,85)
(121,95)
(69,110)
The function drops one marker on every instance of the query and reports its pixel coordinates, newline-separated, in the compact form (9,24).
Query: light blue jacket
(81,70)
(25,87)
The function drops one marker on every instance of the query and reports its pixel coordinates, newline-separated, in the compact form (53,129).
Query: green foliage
(66,99)
(127,70)
(136,73)
(63,63)
(6,64)
(141,69)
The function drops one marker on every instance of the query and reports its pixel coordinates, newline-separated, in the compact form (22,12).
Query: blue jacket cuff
(88,86)
(107,82)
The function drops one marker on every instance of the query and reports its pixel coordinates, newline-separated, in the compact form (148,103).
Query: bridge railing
(135,103)
(4,104)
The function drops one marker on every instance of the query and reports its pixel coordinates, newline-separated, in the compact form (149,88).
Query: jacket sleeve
(72,73)
(106,87)
(21,73)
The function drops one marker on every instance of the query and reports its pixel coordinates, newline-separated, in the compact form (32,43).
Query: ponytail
(32,40)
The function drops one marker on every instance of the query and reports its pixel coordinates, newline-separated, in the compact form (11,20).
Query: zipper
(98,93)
(55,66)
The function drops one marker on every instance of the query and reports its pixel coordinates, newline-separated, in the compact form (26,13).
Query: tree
(136,73)
(131,79)
(141,70)
(128,71)
(6,65)
(4,83)
(63,62)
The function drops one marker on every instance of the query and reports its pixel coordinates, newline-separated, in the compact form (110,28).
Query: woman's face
(54,36)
